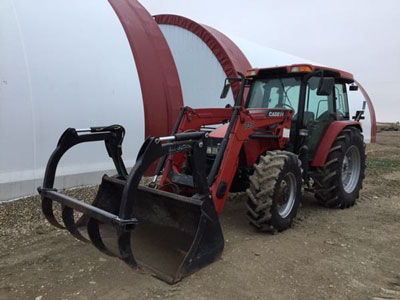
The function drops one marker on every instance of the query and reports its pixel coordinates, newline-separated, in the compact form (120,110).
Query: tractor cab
(317,96)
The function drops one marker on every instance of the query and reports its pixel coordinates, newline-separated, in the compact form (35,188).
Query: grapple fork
(171,235)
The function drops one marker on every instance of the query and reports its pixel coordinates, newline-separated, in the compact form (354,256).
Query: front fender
(329,137)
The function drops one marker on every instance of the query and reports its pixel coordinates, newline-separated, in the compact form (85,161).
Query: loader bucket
(175,235)
(168,234)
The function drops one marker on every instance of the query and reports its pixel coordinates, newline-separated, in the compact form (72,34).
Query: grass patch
(382,163)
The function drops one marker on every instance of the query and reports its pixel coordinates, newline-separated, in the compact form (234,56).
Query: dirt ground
(328,254)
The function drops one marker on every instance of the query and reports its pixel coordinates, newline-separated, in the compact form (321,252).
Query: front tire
(339,182)
(275,191)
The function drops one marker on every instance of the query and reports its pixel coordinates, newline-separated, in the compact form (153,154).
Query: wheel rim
(287,195)
(351,169)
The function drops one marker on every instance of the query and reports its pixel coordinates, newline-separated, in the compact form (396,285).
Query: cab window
(317,106)
(318,114)
(275,93)
(342,105)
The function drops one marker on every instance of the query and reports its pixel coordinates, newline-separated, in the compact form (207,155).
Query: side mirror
(353,87)
(325,86)
(225,90)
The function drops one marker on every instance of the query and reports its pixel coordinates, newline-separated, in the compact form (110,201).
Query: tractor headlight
(212,150)
(213,147)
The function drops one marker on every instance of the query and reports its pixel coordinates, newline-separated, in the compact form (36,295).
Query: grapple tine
(69,221)
(95,236)
(125,249)
(47,209)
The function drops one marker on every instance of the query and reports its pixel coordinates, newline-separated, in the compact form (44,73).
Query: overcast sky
(362,37)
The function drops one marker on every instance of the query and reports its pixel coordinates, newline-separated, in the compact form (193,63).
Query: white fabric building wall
(262,57)
(62,66)
(200,73)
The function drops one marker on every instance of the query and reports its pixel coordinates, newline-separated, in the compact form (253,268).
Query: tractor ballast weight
(168,234)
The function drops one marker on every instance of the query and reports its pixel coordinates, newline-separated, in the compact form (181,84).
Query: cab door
(342,104)
(319,113)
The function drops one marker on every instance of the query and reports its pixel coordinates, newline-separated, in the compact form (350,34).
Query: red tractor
(289,127)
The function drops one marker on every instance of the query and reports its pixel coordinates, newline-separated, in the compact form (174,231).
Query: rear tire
(339,182)
(275,191)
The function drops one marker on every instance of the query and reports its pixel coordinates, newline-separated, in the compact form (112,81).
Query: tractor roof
(299,68)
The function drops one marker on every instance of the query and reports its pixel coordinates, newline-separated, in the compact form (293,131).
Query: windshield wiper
(284,91)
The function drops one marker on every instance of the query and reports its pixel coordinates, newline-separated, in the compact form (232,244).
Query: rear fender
(327,141)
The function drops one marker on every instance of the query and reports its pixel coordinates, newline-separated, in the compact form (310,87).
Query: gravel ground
(328,254)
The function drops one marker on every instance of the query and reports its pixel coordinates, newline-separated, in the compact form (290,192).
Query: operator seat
(309,116)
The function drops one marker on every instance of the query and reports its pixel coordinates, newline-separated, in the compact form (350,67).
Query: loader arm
(245,126)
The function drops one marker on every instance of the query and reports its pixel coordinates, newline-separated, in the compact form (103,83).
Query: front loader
(275,139)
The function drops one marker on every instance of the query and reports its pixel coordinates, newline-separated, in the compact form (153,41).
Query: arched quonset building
(222,56)
(85,63)
(74,63)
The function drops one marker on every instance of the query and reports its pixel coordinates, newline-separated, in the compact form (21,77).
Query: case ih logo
(276,114)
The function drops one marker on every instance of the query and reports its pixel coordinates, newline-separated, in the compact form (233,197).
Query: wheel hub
(286,195)
(351,169)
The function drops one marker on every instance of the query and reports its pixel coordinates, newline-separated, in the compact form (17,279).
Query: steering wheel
(288,105)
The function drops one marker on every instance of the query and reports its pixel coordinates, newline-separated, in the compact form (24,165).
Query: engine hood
(219,132)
